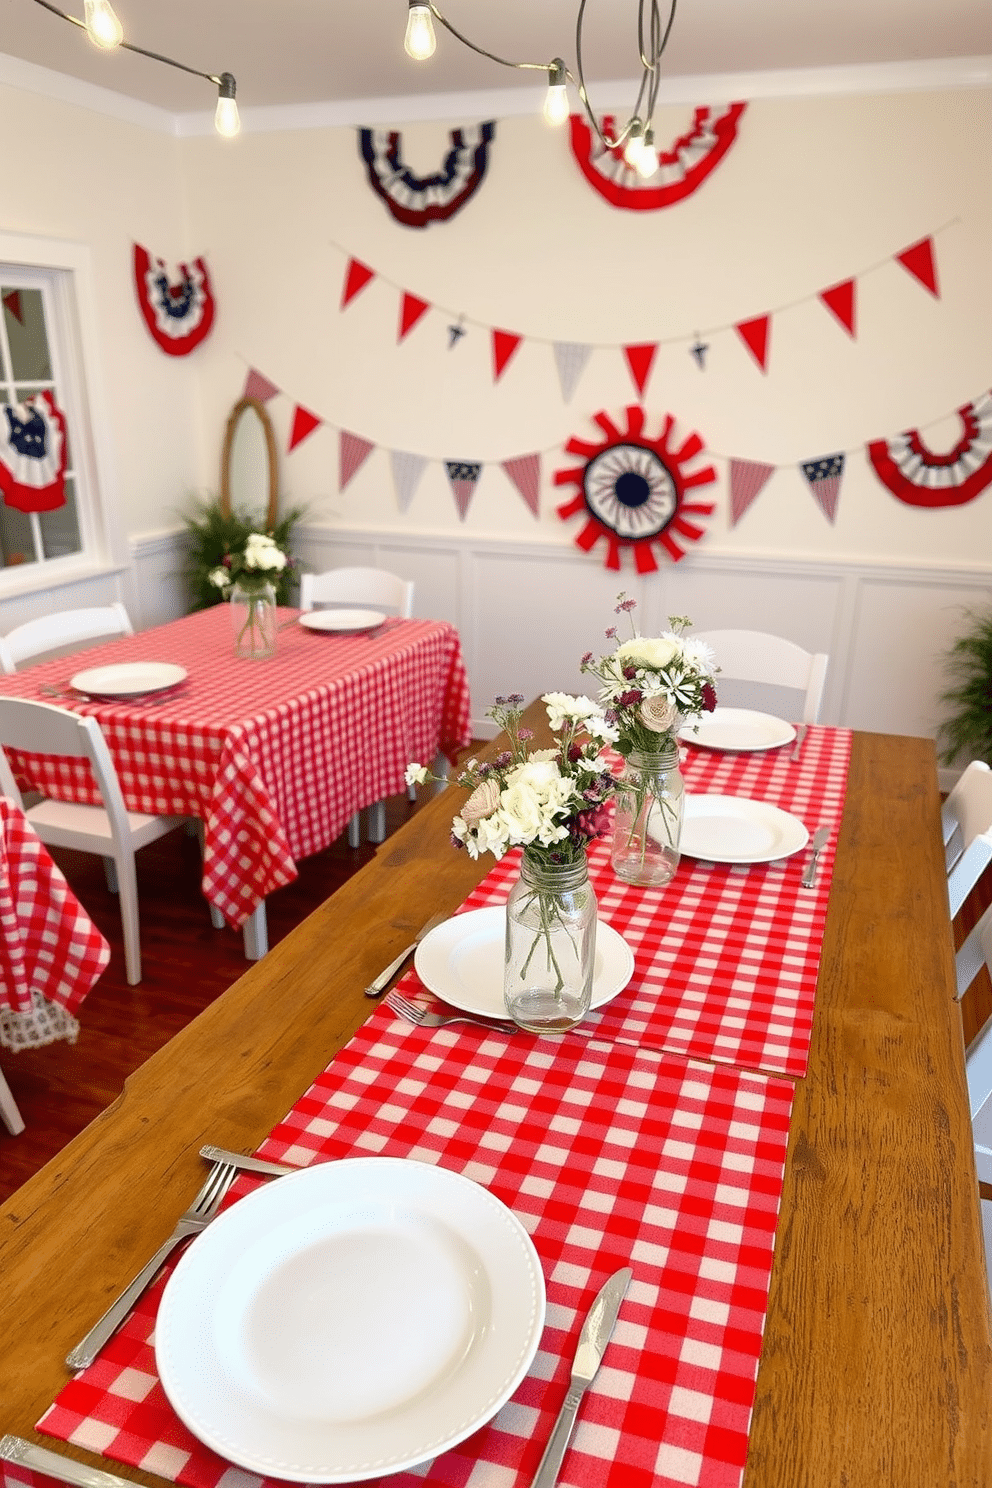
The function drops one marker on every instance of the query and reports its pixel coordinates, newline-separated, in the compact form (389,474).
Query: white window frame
(66,282)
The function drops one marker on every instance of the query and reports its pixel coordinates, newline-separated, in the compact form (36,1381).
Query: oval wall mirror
(249,474)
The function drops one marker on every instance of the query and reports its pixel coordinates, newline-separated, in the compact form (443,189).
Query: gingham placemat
(51,953)
(725,958)
(610,1156)
(273,756)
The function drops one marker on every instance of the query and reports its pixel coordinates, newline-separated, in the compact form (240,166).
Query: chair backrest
(975,953)
(63,631)
(357,586)
(43,728)
(967,810)
(755,656)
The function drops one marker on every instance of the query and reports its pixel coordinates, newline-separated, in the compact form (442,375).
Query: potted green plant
(966,732)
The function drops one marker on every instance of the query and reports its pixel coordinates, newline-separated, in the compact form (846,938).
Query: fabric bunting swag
(33,454)
(570,357)
(920,476)
(417,201)
(178,311)
(682,169)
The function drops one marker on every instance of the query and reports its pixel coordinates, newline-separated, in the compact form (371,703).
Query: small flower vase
(550,945)
(647,827)
(253,614)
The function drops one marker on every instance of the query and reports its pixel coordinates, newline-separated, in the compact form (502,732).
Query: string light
(104,29)
(637,136)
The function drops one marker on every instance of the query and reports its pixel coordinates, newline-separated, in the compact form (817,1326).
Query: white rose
(219,577)
(416,774)
(658,714)
(647,651)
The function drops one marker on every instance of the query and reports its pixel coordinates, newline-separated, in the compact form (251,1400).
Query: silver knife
(800,737)
(820,837)
(376,987)
(54,1465)
(249,1164)
(593,1339)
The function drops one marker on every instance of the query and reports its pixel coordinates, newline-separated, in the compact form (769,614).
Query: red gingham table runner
(610,1156)
(273,756)
(50,951)
(725,958)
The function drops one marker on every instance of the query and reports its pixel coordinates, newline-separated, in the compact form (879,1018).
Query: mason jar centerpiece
(246,578)
(651,686)
(552,804)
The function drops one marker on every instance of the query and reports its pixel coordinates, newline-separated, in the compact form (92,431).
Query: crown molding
(502,103)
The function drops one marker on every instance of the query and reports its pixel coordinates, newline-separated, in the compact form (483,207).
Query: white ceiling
(318,51)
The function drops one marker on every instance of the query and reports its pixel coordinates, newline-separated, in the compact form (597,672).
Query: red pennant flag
(525,473)
(505,344)
(639,359)
(353,453)
(747,480)
(411,309)
(918,259)
(840,301)
(754,334)
(259,388)
(356,278)
(12,300)
(304,423)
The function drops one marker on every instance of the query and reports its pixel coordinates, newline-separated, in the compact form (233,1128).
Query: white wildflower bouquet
(257,563)
(652,685)
(553,801)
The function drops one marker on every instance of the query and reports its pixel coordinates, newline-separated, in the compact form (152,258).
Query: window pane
(60,528)
(16,540)
(24,319)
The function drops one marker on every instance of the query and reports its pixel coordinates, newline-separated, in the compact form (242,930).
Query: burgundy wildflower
(709,697)
(628,699)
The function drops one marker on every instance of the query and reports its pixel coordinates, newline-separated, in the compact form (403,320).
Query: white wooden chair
(975,953)
(71,629)
(110,830)
(757,658)
(966,819)
(9,1114)
(373,587)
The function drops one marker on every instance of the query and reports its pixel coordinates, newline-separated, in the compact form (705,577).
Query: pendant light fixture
(102,26)
(636,137)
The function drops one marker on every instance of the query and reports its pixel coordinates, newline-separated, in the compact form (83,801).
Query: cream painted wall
(814,191)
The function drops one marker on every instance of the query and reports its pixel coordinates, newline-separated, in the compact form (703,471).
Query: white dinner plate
(733,829)
(350,1320)
(342,619)
(740,729)
(128,678)
(462,961)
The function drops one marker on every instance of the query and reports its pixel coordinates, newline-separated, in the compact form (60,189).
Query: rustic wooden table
(877,1363)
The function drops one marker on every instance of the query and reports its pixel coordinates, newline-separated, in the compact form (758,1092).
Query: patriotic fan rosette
(177,309)
(33,454)
(920,476)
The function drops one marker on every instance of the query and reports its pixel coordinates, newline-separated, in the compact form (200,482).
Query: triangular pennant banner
(748,479)
(411,309)
(353,453)
(12,301)
(259,388)
(754,334)
(919,260)
(525,473)
(505,344)
(824,476)
(570,359)
(407,470)
(840,301)
(356,278)
(639,359)
(464,476)
(304,423)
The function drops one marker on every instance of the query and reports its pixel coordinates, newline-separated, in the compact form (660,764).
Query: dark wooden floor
(186,964)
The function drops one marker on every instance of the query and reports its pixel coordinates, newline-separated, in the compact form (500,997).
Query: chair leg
(256,934)
(355,830)
(216,918)
(377,822)
(11,1116)
(110,874)
(128,890)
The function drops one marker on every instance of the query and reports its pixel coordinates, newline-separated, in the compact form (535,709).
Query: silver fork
(197,1217)
(424,1018)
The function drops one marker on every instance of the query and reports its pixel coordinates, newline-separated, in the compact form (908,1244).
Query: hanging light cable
(652,39)
(101,23)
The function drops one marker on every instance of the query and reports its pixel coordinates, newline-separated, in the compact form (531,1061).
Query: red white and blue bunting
(177,309)
(417,201)
(682,168)
(33,454)
(920,476)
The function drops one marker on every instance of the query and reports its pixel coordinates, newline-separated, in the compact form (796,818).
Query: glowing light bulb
(420,40)
(227,120)
(647,161)
(556,101)
(635,144)
(102,26)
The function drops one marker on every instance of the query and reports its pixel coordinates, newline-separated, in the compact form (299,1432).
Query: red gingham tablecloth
(725,958)
(50,952)
(610,1155)
(273,756)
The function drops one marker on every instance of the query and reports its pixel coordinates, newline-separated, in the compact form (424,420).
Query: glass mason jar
(550,945)
(647,826)
(253,615)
